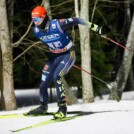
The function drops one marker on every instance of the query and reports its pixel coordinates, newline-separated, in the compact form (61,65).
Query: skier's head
(40,17)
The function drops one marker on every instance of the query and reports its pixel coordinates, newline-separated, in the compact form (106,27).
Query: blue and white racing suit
(62,54)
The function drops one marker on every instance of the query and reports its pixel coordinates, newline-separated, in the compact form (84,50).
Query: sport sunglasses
(38,19)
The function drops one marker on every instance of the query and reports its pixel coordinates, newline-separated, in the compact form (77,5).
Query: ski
(4,116)
(46,123)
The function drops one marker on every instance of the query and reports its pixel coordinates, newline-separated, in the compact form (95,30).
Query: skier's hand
(100,30)
(96,28)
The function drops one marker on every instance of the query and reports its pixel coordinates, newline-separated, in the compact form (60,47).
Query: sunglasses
(38,19)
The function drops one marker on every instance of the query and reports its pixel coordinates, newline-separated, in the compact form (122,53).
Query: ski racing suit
(62,56)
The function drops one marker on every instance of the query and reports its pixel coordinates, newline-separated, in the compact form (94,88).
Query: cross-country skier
(54,35)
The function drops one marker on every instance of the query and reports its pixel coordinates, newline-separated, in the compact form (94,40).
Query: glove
(100,30)
(96,28)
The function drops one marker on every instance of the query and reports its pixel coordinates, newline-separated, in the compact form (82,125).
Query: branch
(113,1)
(21,39)
(26,50)
(94,10)
(29,27)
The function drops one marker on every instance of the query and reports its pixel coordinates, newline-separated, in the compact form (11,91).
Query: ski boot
(62,111)
(41,110)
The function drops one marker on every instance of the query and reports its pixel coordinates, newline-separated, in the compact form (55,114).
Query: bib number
(55,45)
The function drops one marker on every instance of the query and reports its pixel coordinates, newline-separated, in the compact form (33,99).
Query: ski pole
(116,43)
(108,85)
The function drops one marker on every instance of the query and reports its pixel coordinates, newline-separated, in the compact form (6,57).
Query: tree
(122,75)
(1,78)
(10,13)
(130,81)
(85,51)
(70,98)
(8,96)
(46,4)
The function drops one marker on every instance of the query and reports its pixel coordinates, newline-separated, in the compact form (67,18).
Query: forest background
(30,55)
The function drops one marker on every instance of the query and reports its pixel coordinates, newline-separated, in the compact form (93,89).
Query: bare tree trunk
(130,81)
(128,12)
(47,6)
(10,7)
(7,60)
(124,70)
(70,97)
(1,81)
(85,52)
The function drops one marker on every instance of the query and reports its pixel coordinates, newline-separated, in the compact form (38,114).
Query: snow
(105,117)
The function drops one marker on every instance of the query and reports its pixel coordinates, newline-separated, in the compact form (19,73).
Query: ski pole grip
(95,27)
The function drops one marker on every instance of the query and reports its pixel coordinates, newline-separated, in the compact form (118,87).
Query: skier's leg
(46,79)
(45,82)
(64,66)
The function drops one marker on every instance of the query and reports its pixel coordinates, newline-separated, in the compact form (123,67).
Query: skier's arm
(65,23)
